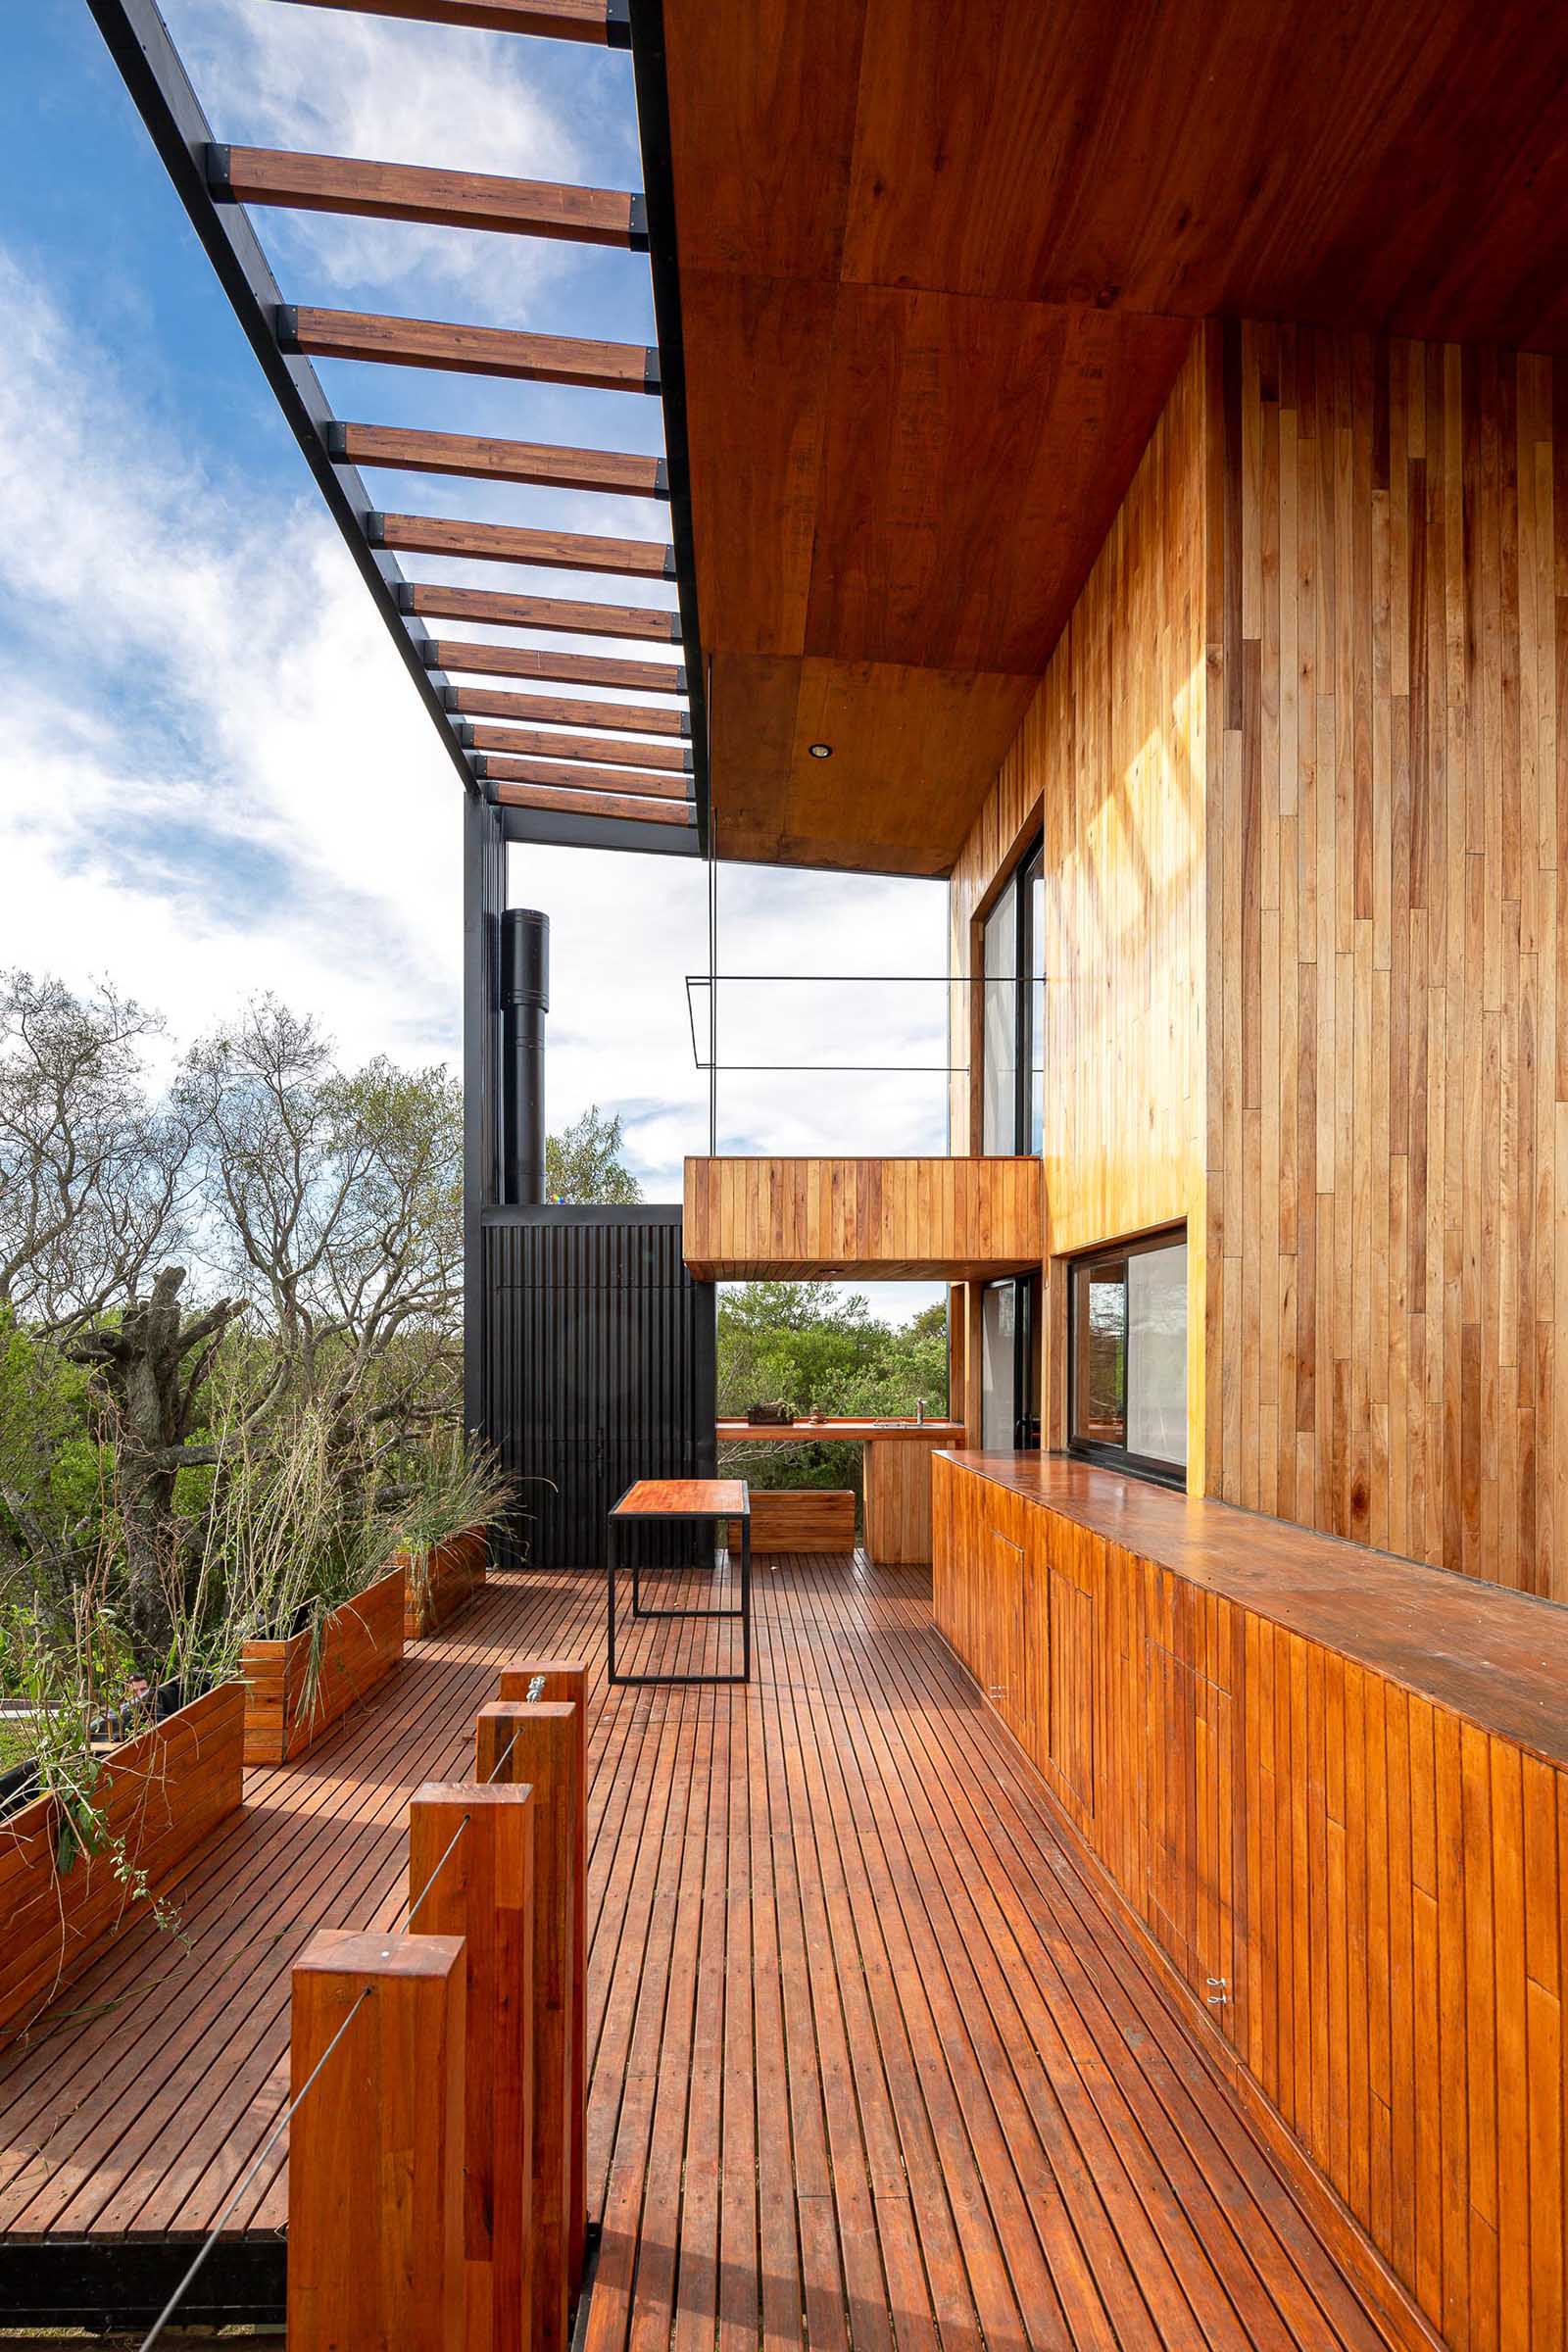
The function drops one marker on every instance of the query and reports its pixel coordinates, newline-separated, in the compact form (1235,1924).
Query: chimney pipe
(524,1002)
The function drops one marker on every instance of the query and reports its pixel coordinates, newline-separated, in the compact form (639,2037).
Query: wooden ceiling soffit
(513,543)
(399,449)
(567,777)
(604,23)
(217,184)
(385,341)
(480,660)
(572,614)
(557,711)
(532,743)
(442,199)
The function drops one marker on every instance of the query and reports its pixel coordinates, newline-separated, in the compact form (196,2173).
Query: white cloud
(308,78)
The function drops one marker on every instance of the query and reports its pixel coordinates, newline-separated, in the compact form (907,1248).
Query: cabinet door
(1188,1763)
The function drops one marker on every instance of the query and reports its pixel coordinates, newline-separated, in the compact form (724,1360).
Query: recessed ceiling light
(821,751)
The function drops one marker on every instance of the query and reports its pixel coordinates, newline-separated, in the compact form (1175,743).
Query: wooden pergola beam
(398,449)
(541,613)
(594,804)
(479,659)
(559,711)
(569,778)
(341,183)
(513,542)
(606,24)
(530,743)
(527,357)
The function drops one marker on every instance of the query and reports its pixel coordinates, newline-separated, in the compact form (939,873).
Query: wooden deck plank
(876,2059)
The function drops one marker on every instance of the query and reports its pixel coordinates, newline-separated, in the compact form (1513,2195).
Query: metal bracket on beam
(464,735)
(650,376)
(375,529)
(685,722)
(662,478)
(618,24)
(286,325)
(671,570)
(219,178)
(637,226)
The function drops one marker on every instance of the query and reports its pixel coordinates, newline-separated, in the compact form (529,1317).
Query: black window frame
(1019,877)
(1027,1290)
(1107,1454)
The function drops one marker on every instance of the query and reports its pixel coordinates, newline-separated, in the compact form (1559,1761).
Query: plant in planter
(455,1488)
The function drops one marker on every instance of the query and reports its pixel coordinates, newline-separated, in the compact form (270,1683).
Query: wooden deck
(875,2059)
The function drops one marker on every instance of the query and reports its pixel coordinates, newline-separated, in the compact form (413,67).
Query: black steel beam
(658,183)
(558,830)
(106,2285)
(150,65)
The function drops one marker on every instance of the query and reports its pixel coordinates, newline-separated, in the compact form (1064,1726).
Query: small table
(663,1498)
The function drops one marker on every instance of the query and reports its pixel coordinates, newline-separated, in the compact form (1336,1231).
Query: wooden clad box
(160,1796)
(799,1519)
(361,1643)
(453,1573)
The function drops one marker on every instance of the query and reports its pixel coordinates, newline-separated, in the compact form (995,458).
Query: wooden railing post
(375,2149)
(470,1874)
(564,1679)
(537,1746)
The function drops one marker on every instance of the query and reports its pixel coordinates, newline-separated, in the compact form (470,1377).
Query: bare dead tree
(150,1367)
(90,1172)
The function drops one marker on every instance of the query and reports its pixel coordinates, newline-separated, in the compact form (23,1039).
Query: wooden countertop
(795,1433)
(1496,1657)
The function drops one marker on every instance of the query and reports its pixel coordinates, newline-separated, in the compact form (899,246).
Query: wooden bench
(800,1519)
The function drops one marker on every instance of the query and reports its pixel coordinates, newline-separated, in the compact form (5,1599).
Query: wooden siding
(287,1709)
(1389,1074)
(1110,763)
(898,1502)
(1363,1889)
(756,1219)
(159,1796)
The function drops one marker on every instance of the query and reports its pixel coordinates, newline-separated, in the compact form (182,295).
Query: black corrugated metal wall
(599,1368)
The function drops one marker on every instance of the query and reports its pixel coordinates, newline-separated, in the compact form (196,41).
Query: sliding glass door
(1009,1366)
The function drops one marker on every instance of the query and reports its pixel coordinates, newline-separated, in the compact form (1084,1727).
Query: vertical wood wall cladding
(1111,761)
(1362,1889)
(1389,1076)
(1297,763)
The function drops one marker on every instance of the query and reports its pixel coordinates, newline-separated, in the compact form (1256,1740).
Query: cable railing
(470,2067)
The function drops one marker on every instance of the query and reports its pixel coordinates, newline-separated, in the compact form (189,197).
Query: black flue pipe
(524,1002)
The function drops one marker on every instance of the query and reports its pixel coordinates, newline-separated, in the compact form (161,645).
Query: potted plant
(456,1489)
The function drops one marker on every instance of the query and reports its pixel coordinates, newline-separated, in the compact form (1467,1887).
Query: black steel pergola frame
(155,76)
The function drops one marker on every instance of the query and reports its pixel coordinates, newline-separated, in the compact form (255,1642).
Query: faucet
(919,1412)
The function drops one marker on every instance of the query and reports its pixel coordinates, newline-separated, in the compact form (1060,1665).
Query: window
(1128,1345)
(1012,961)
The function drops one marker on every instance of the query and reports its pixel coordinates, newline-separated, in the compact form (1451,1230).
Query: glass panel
(998,1306)
(1157,1354)
(1099,1371)
(1000,1104)
(1037,1009)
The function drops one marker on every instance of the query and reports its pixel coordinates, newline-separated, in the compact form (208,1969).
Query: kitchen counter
(897,1484)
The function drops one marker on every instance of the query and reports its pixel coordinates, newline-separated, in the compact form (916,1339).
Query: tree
(333,1201)
(583,1163)
(91,1173)
(801,1343)
(152,1366)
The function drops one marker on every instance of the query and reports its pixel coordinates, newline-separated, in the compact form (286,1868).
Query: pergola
(528,728)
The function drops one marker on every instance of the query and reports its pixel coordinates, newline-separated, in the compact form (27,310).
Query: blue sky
(216,775)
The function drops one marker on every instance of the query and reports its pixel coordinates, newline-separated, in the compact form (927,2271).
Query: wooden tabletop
(1496,1657)
(795,1432)
(681,1497)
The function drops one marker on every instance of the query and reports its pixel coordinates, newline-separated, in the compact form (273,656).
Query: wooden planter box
(361,1641)
(457,1570)
(797,1519)
(163,1793)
